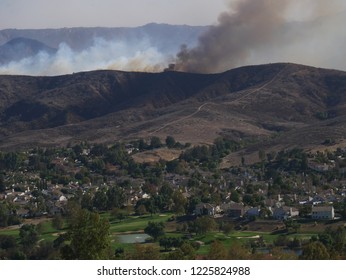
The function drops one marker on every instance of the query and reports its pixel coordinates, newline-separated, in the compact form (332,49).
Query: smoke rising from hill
(263,31)
(250,32)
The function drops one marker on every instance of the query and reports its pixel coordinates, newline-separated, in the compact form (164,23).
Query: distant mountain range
(166,38)
(273,106)
(20,48)
(164,35)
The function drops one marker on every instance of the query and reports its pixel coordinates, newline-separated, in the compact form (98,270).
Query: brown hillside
(279,105)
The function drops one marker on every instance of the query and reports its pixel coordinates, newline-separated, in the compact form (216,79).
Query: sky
(35,14)
(242,32)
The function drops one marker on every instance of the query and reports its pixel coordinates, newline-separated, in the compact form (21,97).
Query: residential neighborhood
(46,183)
(237,192)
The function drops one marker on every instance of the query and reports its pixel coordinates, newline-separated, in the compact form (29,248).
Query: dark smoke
(253,29)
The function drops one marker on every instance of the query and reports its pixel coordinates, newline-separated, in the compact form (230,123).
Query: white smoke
(101,55)
(250,32)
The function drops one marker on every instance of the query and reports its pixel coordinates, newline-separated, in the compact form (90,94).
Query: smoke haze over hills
(101,55)
(250,32)
(146,48)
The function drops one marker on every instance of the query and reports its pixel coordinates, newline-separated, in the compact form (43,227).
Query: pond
(133,238)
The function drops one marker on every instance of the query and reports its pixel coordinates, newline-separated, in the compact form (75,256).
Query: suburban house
(233,210)
(205,209)
(317,199)
(284,213)
(253,212)
(322,213)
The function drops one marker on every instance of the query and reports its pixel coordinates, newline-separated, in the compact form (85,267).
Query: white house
(322,213)
(63,198)
(285,212)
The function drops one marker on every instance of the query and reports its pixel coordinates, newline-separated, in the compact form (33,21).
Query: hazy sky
(108,13)
(244,32)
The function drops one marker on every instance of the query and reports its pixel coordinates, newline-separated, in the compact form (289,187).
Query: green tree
(141,210)
(185,252)
(77,149)
(343,209)
(282,254)
(170,242)
(227,228)
(88,238)
(115,197)
(235,196)
(175,166)
(98,165)
(315,251)
(4,214)
(166,191)
(28,236)
(217,251)
(87,201)
(72,211)
(45,251)
(98,150)
(170,141)
(179,203)
(2,184)
(142,145)
(100,200)
(189,252)
(7,242)
(12,160)
(155,230)
(304,211)
(292,225)
(144,252)
(118,214)
(237,251)
(58,222)
(204,224)
(155,142)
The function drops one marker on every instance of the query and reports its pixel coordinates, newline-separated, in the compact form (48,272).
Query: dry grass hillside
(273,106)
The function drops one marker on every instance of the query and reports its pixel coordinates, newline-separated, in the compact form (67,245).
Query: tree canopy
(88,237)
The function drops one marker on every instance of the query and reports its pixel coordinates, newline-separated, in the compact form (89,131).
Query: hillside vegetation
(276,105)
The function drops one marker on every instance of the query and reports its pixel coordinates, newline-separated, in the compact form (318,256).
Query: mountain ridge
(78,38)
(253,102)
(19,48)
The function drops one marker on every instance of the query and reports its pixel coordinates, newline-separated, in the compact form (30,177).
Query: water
(133,238)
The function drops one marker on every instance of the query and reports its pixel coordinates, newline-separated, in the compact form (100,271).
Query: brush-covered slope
(299,105)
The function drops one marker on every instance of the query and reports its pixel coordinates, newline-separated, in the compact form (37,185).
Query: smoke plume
(263,31)
(101,55)
(250,32)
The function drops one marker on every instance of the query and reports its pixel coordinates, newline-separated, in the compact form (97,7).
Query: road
(181,119)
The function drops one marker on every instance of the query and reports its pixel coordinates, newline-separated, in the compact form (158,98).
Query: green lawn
(242,236)
(48,233)
(12,232)
(136,223)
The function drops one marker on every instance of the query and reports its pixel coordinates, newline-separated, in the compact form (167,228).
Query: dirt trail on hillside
(248,93)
